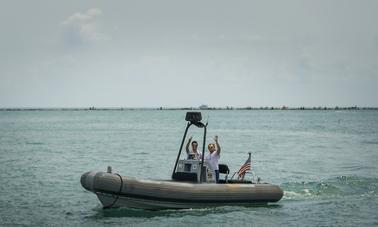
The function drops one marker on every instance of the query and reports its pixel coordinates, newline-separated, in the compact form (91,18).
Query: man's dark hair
(194,142)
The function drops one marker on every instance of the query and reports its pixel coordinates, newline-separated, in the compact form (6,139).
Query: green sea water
(326,162)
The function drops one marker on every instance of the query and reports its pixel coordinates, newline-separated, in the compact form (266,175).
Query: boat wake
(331,188)
(172,213)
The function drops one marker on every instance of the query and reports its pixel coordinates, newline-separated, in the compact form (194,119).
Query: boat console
(190,170)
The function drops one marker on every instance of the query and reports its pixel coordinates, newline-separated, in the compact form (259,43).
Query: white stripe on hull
(122,201)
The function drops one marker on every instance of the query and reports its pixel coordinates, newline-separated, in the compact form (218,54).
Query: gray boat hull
(119,191)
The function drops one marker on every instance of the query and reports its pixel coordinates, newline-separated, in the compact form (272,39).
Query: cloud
(83,28)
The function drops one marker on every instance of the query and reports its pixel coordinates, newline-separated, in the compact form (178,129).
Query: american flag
(245,167)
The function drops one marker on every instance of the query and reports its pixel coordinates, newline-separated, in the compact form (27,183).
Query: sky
(175,53)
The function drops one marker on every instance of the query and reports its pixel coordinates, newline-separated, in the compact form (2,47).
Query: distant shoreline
(188,108)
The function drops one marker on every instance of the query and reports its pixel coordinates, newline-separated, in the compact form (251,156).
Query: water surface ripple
(326,162)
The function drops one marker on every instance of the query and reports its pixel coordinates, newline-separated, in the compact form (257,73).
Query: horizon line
(202,107)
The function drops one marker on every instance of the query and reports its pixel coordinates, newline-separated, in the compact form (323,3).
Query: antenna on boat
(207,119)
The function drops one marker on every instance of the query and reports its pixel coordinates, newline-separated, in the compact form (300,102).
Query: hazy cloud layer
(175,53)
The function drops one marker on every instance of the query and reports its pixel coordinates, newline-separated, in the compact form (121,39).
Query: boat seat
(183,176)
(223,168)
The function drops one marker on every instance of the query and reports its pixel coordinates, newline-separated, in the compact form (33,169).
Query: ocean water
(326,162)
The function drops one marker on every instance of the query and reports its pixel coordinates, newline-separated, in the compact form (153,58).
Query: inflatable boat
(192,185)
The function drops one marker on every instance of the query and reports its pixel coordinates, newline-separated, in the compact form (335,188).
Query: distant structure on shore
(203,107)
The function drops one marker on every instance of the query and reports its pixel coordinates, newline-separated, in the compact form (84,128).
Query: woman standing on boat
(214,156)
